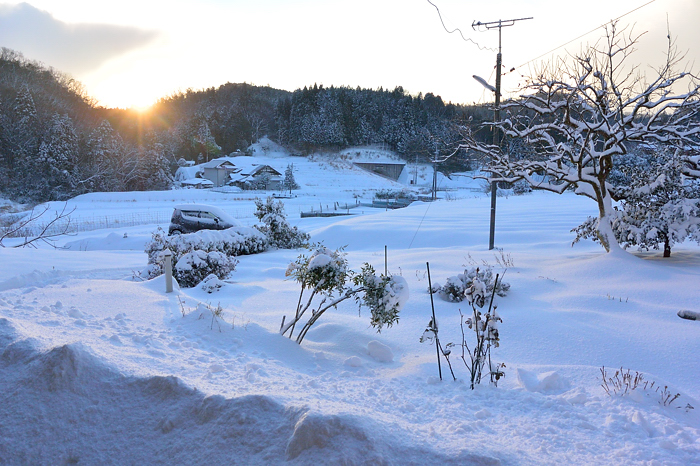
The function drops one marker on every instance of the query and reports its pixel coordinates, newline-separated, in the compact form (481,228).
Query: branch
(44,235)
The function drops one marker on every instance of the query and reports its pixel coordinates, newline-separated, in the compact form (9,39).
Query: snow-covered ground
(99,368)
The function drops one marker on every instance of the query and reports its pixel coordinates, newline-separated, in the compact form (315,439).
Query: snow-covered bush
(456,287)
(278,231)
(326,277)
(194,266)
(211,283)
(237,241)
(384,296)
(485,328)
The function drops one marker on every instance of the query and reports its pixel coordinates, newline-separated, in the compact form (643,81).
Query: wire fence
(77,224)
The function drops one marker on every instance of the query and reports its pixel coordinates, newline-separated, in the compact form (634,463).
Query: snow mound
(379,351)
(68,367)
(163,387)
(547,382)
(353,361)
(7,333)
(345,439)
(20,351)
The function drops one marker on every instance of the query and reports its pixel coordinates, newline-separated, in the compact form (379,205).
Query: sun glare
(141,108)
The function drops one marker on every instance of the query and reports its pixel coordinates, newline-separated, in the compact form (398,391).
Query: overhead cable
(466,39)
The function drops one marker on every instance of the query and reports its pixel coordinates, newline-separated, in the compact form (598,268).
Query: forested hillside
(56,143)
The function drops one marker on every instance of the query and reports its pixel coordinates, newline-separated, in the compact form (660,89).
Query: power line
(466,39)
(579,37)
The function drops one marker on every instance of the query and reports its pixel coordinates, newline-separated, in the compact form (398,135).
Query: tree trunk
(667,248)
(605,232)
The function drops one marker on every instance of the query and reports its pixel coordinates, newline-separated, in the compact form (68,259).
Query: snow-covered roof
(243,165)
(371,154)
(187,173)
(197,182)
(222,162)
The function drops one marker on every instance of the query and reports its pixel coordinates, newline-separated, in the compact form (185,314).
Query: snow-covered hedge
(192,256)
(195,266)
(456,287)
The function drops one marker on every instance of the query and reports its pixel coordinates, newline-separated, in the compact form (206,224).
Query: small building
(390,170)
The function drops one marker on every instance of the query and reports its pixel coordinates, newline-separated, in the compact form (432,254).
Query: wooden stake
(432,305)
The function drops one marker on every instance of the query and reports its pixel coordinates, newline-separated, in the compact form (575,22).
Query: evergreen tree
(289,181)
(154,169)
(204,140)
(54,173)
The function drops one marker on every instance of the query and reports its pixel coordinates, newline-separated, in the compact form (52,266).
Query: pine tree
(289,181)
(54,174)
(204,141)
(154,169)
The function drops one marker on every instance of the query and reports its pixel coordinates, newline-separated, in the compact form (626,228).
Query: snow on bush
(326,276)
(279,232)
(384,296)
(457,287)
(205,252)
(211,283)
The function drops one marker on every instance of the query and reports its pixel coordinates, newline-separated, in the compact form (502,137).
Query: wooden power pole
(496,111)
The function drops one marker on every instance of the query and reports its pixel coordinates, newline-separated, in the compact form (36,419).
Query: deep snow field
(97,367)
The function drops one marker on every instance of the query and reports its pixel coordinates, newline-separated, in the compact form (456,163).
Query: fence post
(168,265)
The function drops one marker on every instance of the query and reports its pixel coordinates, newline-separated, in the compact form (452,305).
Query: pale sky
(132,52)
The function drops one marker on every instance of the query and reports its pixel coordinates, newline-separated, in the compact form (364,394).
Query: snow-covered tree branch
(583,113)
(328,280)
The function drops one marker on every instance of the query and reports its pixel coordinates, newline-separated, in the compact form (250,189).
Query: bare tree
(33,231)
(582,112)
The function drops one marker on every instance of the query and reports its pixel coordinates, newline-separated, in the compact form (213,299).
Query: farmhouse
(242,171)
(256,175)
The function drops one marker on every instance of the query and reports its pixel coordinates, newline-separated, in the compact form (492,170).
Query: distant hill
(56,143)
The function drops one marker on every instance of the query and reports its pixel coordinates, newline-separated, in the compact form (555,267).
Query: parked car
(188,218)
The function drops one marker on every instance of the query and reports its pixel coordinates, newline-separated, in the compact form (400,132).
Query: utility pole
(496,111)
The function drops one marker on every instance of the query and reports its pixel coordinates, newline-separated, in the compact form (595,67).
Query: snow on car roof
(208,208)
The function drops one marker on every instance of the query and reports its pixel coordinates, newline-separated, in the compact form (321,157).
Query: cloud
(73,48)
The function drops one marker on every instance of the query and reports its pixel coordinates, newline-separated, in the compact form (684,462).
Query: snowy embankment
(97,368)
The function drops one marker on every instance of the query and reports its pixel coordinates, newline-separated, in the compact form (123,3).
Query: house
(219,171)
(257,176)
(242,171)
(388,169)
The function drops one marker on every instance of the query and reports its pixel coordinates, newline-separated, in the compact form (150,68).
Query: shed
(390,170)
